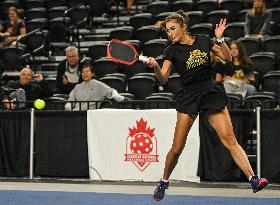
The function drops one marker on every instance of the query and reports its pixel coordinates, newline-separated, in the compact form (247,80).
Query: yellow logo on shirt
(196,58)
(239,74)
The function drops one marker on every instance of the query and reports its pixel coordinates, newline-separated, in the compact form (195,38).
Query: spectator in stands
(69,71)
(237,75)
(90,90)
(129,6)
(12,29)
(29,87)
(257,20)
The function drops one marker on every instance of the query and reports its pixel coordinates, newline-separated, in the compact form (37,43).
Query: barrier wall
(61,149)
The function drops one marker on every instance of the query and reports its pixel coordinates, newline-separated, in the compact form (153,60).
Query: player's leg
(183,126)
(221,122)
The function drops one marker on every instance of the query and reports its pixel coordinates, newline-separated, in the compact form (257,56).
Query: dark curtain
(14,143)
(61,144)
(270,145)
(215,161)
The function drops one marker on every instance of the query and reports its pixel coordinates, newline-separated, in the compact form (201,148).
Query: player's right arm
(161,73)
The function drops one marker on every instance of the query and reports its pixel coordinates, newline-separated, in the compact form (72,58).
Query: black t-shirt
(237,71)
(192,62)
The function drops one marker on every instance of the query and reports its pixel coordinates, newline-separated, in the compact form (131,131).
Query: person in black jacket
(29,87)
(69,71)
(189,55)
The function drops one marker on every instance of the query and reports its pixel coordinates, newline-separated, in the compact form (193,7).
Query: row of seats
(142,85)
(165,100)
(212,16)
(265,100)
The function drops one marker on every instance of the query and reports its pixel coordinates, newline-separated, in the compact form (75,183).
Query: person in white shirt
(90,90)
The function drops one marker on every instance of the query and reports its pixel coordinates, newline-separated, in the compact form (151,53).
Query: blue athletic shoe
(160,190)
(258,184)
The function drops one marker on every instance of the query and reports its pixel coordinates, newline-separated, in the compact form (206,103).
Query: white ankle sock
(165,180)
(250,177)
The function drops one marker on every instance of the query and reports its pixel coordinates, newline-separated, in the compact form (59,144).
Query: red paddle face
(122,52)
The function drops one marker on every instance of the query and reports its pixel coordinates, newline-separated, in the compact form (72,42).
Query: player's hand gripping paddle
(123,52)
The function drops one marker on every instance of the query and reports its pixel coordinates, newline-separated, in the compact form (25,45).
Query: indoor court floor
(113,193)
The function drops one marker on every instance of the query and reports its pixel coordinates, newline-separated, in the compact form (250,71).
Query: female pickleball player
(190,56)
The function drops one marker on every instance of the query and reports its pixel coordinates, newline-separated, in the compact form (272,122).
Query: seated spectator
(237,75)
(90,90)
(257,20)
(129,6)
(69,71)
(29,87)
(12,29)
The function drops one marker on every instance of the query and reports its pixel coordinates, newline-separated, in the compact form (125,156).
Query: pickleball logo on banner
(141,145)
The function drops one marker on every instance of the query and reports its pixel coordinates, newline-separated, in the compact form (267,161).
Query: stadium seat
(154,47)
(185,5)
(36,44)
(122,33)
(34,13)
(54,3)
(55,103)
(51,81)
(128,96)
(271,82)
(12,58)
(235,101)
(161,16)
(214,17)
(272,44)
(157,7)
(58,28)
(49,66)
(275,14)
(72,3)
(252,44)
(170,95)
(159,102)
(206,6)
(173,84)
(146,33)
(202,28)
(104,66)
(79,16)
(36,23)
(56,12)
(235,30)
(234,6)
(241,15)
(195,17)
(30,4)
(264,62)
(131,70)
(139,20)
(98,50)
(257,99)
(118,83)
(141,86)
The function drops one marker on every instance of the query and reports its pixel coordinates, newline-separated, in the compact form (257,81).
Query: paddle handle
(144,59)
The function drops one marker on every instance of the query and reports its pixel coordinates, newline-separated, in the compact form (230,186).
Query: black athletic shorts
(203,97)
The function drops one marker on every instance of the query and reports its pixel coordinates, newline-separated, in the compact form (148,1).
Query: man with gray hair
(69,71)
(29,87)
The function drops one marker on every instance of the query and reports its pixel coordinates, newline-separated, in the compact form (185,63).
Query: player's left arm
(221,50)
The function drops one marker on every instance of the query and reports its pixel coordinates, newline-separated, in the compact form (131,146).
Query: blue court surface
(92,198)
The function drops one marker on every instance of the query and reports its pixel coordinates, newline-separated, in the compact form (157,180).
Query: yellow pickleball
(39,104)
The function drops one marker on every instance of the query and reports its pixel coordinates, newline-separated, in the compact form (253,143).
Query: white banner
(132,145)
